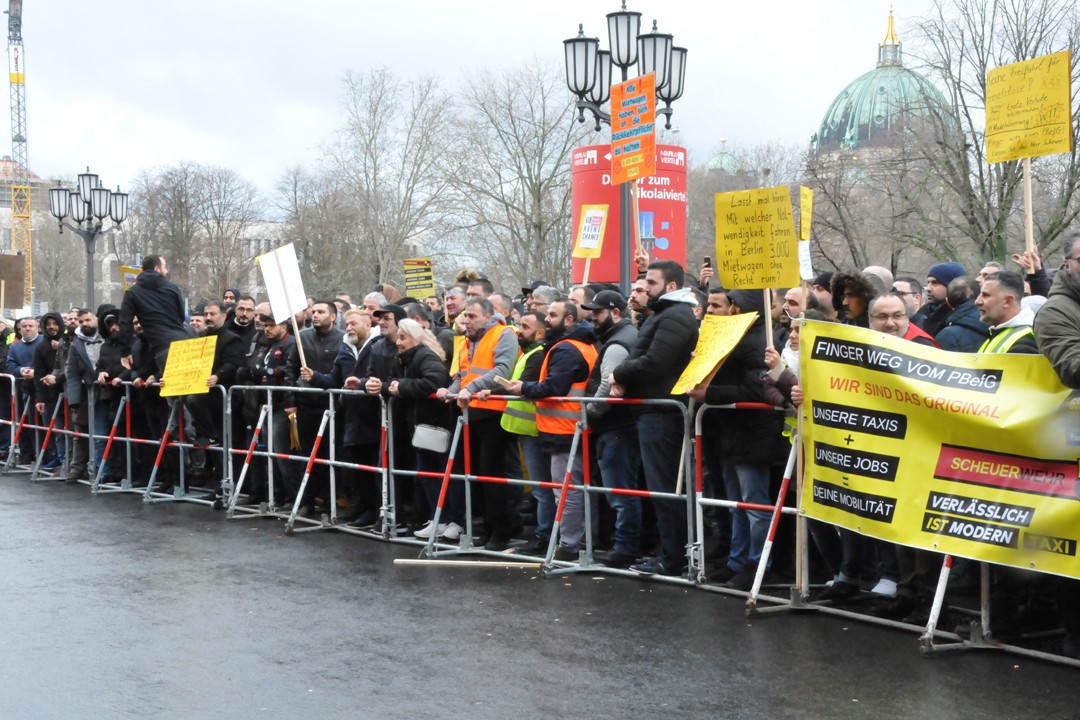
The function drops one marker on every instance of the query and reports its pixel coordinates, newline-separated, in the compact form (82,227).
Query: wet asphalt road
(113,609)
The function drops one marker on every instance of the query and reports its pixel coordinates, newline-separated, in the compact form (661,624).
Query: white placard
(806,272)
(284,286)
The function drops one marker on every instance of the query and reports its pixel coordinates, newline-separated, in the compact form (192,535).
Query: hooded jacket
(963,331)
(863,286)
(44,361)
(81,365)
(1057,328)
(664,345)
(159,305)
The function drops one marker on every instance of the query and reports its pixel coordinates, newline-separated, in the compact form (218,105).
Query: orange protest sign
(633,129)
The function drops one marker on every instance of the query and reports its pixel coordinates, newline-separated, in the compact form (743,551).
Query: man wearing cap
(822,290)
(320,344)
(937,289)
(614,432)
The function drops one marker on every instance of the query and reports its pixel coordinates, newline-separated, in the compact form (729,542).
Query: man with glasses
(242,322)
(911,291)
(1057,333)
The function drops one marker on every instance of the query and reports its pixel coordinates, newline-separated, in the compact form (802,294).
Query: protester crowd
(520,362)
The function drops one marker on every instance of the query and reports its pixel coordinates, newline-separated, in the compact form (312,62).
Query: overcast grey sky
(252,85)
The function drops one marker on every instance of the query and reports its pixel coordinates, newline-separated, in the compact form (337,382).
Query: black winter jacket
(662,350)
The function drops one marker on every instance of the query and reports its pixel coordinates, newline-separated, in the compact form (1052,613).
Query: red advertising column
(661,209)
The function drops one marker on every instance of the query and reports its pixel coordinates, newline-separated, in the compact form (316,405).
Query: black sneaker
(840,590)
(497,543)
(742,580)
(897,608)
(655,566)
(615,559)
(537,546)
(565,554)
(723,574)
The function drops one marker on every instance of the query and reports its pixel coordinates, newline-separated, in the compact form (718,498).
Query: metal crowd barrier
(433,549)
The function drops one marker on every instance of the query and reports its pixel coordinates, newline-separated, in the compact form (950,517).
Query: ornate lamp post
(588,75)
(89,204)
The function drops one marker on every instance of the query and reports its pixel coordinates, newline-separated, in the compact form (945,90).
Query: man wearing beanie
(937,284)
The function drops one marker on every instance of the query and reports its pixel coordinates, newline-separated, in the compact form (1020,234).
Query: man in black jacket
(45,388)
(662,351)
(159,305)
(320,344)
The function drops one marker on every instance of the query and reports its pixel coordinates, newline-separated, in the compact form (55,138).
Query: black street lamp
(588,75)
(89,204)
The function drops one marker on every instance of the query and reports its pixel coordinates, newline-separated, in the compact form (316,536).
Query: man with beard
(81,378)
(20,363)
(490,350)
(45,388)
(360,430)
(206,409)
(110,371)
(159,305)
(564,372)
(661,352)
(519,420)
(613,431)
(320,344)
(241,321)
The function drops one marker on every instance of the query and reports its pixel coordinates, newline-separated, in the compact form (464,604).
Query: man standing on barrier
(613,430)
(321,343)
(664,346)
(490,351)
(565,372)
(159,305)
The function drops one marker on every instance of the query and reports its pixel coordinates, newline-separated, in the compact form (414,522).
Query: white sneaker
(885,588)
(425,532)
(451,532)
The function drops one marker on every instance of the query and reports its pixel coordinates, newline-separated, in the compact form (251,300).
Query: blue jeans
(660,442)
(749,528)
(617,454)
(103,420)
(538,463)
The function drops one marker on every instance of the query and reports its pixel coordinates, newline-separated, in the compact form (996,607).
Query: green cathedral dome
(875,108)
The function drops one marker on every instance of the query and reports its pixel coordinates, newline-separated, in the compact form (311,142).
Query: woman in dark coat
(420,371)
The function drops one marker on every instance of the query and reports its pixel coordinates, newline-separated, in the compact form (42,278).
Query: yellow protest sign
(1028,109)
(189,365)
(974,455)
(806,211)
(755,239)
(419,277)
(718,336)
(590,237)
(128,273)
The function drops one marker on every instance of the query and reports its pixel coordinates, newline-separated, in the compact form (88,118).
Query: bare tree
(58,279)
(385,163)
(228,210)
(961,41)
(511,174)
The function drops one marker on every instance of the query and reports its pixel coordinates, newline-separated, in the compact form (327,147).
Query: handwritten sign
(189,365)
(718,336)
(755,239)
(590,237)
(633,129)
(419,277)
(1028,109)
(806,211)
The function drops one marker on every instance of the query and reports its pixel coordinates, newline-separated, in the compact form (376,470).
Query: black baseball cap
(606,300)
(396,310)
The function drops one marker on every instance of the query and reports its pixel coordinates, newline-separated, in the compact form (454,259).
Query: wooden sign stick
(1029,215)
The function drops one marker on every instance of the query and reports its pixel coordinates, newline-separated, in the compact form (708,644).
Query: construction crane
(21,223)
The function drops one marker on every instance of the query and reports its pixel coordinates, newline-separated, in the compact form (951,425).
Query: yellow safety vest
(519,417)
